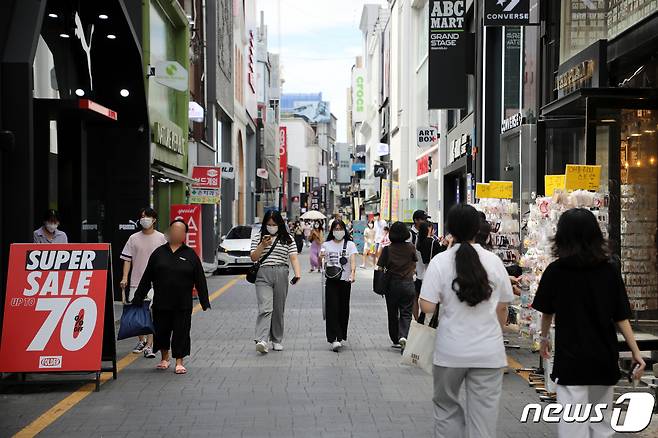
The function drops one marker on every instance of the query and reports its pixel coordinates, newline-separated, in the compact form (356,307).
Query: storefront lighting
(124,92)
(608,121)
(652,161)
(80,92)
(103,17)
(638,163)
(626,165)
(53,15)
(637,134)
(649,131)
(64,35)
(111,36)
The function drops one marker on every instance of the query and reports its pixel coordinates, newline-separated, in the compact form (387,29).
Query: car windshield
(239,233)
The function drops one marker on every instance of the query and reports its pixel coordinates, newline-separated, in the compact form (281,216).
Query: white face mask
(339,234)
(51,227)
(316,225)
(272,229)
(146,222)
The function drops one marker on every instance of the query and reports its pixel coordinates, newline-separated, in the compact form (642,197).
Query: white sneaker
(335,346)
(403,342)
(277,347)
(261,347)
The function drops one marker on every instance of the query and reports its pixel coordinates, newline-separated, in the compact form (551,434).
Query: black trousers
(172,331)
(399,304)
(299,241)
(337,300)
(418,284)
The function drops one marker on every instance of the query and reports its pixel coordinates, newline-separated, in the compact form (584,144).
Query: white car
(234,250)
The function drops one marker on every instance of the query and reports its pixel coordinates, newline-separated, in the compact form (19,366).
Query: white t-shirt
(420,266)
(467,337)
(138,249)
(332,252)
(379,230)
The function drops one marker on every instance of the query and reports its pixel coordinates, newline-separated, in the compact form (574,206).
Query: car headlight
(220,248)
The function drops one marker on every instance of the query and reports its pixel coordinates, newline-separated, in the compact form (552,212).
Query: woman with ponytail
(473,288)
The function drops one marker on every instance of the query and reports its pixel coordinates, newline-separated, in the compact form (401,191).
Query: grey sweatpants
(271,292)
(478,416)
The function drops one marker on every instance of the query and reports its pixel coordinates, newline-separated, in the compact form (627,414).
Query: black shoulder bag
(381,277)
(252,273)
(335,272)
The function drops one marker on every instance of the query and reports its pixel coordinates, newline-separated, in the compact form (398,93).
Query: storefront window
(585,22)
(161,98)
(564,145)
(530,48)
(512,70)
(639,206)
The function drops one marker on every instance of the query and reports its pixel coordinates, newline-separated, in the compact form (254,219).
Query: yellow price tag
(554,182)
(482,190)
(501,189)
(579,177)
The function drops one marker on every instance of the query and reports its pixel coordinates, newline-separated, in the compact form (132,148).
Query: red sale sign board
(54,307)
(191,214)
(207,177)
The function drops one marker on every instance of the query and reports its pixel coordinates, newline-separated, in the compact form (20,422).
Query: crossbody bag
(252,273)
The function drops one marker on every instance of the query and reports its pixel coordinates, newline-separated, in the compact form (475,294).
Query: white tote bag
(419,351)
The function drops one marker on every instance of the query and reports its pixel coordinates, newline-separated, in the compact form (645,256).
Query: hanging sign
(380,171)
(382,149)
(358,167)
(511,122)
(385,200)
(171,74)
(204,196)
(227,170)
(262,173)
(579,177)
(482,190)
(554,182)
(501,189)
(358,95)
(55,307)
(427,136)
(423,165)
(206,177)
(447,78)
(506,12)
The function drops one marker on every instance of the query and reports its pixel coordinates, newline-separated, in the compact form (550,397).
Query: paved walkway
(230,391)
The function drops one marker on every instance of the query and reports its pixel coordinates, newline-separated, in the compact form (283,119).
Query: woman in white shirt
(473,288)
(339,254)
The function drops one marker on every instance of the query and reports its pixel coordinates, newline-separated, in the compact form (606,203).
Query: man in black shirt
(174,270)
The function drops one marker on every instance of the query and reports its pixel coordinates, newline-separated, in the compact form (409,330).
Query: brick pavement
(230,391)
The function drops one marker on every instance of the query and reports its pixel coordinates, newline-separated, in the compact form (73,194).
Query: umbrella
(313,215)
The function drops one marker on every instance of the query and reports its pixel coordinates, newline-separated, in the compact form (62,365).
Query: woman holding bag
(339,255)
(275,249)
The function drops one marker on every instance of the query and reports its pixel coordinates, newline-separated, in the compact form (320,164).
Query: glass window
(423,36)
(162,48)
(512,70)
(564,145)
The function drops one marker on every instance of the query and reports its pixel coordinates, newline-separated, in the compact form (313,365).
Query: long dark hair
(282,234)
(334,224)
(423,233)
(472,282)
(579,238)
(484,232)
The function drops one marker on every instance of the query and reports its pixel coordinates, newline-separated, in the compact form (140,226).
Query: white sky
(318,41)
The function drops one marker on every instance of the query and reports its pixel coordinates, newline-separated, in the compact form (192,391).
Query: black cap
(420,214)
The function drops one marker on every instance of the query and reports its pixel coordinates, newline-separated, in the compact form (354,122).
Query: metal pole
(390,190)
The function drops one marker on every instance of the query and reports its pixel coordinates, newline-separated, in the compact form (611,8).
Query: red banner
(283,163)
(54,307)
(191,214)
(207,177)
(423,165)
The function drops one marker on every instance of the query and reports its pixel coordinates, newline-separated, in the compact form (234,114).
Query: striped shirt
(281,253)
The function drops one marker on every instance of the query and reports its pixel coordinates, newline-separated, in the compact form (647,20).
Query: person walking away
(585,293)
(472,286)
(339,254)
(274,248)
(299,237)
(173,271)
(419,217)
(369,244)
(316,239)
(427,246)
(48,232)
(399,259)
(135,256)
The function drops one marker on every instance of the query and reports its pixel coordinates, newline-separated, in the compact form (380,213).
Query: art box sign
(448,81)
(506,12)
(54,307)
(427,136)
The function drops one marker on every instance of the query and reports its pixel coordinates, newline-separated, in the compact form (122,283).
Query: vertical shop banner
(206,189)
(448,47)
(358,95)
(358,229)
(283,164)
(385,200)
(55,307)
(395,202)
(191,214)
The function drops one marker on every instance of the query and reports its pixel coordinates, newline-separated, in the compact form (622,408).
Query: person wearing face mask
(339,255)
(135,256)
(173,271)
(274,248)
(316,239)
(49,232)
(369,244)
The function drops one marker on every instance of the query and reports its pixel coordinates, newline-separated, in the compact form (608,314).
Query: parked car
(234,249)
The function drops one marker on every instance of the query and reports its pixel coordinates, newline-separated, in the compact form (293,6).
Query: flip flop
(180,369)
(162,366)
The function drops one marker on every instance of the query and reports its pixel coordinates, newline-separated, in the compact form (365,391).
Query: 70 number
(59,308)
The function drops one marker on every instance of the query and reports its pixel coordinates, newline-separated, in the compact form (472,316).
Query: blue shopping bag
(135,321)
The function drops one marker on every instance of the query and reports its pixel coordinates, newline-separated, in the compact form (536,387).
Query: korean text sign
(54,307)
(580,177)
(207,177)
